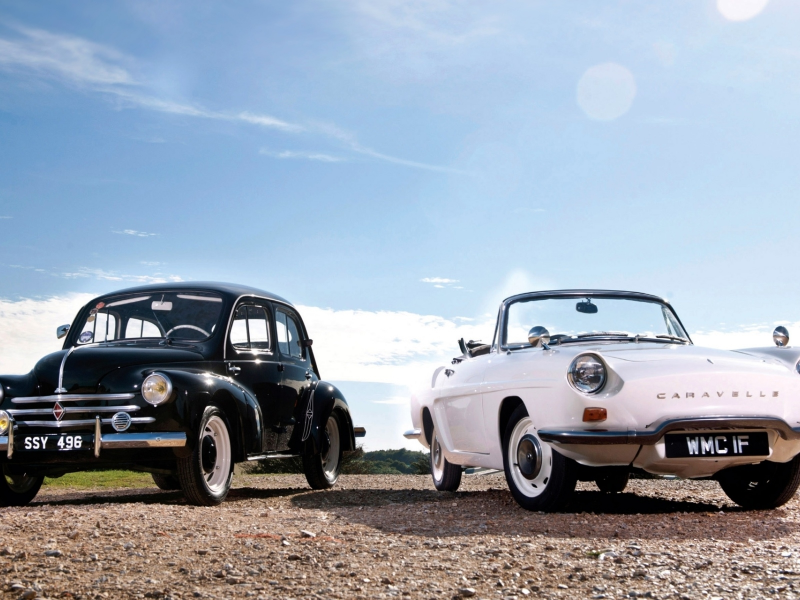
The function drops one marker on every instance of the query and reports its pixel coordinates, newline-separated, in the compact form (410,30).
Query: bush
(378,462)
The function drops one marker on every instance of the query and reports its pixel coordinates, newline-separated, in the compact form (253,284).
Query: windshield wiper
(673,337)
(605,334)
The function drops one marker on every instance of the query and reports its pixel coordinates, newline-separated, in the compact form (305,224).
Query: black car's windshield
(180,316)
(578,319)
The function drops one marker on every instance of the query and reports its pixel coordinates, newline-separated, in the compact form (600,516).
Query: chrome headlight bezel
(579,380)
(156,389)
(5,422)
(797,367)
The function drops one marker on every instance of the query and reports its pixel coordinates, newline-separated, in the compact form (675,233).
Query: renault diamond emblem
(58,411)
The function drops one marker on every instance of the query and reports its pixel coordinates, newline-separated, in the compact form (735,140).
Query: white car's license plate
(707,445)
(54,442)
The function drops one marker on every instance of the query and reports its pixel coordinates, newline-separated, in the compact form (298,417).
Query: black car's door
(298,373)
(252,360)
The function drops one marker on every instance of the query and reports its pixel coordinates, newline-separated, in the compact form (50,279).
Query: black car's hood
(86,366)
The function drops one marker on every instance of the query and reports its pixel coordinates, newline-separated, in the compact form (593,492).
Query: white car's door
(460,405)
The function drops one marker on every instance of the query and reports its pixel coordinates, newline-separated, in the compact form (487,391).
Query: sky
(396,168)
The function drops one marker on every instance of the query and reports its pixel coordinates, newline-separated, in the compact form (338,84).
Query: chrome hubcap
(215,454)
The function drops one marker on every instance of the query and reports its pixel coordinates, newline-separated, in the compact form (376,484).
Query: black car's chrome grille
(60,414)
(73,398)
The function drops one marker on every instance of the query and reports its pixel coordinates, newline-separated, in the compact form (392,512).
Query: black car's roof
(230,290)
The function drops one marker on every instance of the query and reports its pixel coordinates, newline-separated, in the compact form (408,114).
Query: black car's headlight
(156,388)
(587,374)
(5,422)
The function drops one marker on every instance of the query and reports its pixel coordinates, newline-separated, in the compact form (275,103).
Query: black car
(181,380)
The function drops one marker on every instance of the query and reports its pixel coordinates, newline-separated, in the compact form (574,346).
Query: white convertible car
(591,385)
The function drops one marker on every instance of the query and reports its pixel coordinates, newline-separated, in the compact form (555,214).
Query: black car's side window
(290,341)
(250,328)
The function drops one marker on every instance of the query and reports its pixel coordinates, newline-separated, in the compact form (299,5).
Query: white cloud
(135,233)
(386,346)
(68,58)
(85,64)
(746,336)
(306,155)
(28,329)
(4,217)
(439,280)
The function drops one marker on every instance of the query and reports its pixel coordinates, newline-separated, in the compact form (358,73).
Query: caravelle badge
(678,396)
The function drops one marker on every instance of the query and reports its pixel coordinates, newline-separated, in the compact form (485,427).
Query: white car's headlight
(587,374)
(797,367)
(156,388)
(5,422)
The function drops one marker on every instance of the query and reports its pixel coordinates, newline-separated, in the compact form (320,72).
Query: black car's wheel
(613,481)
(539,477)
(446,475)
(205,476)
(762,486)
(18,489)
(166,482)
(322,470)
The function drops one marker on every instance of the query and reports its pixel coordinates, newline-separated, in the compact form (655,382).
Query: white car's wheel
(539,477)
(205,476)
(446,476)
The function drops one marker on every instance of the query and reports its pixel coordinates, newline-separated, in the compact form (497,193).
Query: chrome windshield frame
(498,345)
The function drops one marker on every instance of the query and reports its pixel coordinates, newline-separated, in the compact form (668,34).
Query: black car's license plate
(708,445)
(54,442)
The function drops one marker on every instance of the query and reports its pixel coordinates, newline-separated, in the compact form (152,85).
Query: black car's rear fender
(312,415)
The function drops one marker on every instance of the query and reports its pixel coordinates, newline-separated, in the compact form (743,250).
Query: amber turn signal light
(594,414)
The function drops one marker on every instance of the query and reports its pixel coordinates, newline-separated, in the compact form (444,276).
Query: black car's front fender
(193,391)
(316,407)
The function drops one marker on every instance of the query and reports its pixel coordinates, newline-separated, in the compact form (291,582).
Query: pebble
(395,536)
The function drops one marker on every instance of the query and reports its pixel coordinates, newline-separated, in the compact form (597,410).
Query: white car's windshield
(574,319)
(180,316)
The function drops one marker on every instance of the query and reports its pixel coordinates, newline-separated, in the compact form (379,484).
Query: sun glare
(740,10)
(606,91)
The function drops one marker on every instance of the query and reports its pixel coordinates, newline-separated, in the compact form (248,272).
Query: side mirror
(586,307)
(62,331)
(308,343)
(539,337)
(780,336)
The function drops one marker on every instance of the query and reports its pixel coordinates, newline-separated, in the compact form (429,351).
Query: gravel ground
(381,536)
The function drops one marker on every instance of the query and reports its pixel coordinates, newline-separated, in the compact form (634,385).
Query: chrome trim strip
(73,398)
(165,439)
(413,434)
(74,409)
(60,389)
(359,432)
(80,422)
(649,437)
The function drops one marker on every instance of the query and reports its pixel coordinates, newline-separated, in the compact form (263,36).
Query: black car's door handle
(234,369)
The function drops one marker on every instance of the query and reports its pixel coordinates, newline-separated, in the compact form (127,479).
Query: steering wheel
(195,327)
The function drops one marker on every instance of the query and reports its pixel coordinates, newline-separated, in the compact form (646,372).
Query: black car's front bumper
(649,437)
(111,441)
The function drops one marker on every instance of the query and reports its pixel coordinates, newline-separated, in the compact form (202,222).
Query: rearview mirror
(62,331)
(165,306)
(586,307)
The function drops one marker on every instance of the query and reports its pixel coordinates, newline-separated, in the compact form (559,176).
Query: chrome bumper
(116,441)
(359,432)
(413,434)
(649,437)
